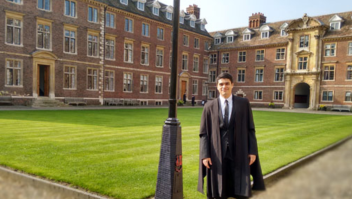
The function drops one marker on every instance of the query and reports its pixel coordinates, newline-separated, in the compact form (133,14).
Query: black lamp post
(169,183)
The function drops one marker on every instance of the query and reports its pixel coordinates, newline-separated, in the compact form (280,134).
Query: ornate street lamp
(169,183)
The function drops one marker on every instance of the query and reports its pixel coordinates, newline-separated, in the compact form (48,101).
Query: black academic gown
(245,143)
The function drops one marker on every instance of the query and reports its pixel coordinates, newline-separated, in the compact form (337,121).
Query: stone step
(47,102)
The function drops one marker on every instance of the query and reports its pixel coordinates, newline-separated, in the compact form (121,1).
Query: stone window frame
(239,56)
(114,20)
(184,67)
(70,74)
(259,76)
(146,54)
(330,73)
(45,22)
(196,43)
(186,41)
(204,88)
(212,78)
(348,94)
(15,16)
(305,42)
(195,87)
(109,77)
(145,29)
(213,57)
(349,48)
(92,76)
(327,100)
(70,28)
(93,18)
(303,61)
(131,82)
(349,72)
(241,74)
(258,96)
(330,49)
(158,83)
(278,92)
(129,51)
(44,9)
(129,25)
(142,80)
(195,57)
(21,72)
(280,53)
(160,48)
(223,57)
(246,37)
(94,33)
(279,72)
(155,11)
(206,65)
(261,55)
(160,33)
(14,2)
(112,38)
(140,5)
(75,9)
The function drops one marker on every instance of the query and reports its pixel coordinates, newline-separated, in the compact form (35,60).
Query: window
(192,23)
(92,14)
(145,55)
(44,35)
(70,77)
(44,5)
(140,6)
(224,70)
(196,43)
(335,25)
(202,27)
(225,58)
(109,80)
(70,40)
(182,20)
(279,74)
(328,96)
(195,87)
(110,20)
(158,103)
(241,73)
(265,35)
(156,11)
(93,45)
(280,53)
(144,84)
(330,50)
(349,72)
(127,82)
(246,37)
(217,41)
(128,25)
(259,73)
(185,40)
(158,84)
(242,56)
(229,39)
(16,1)
(213,58)
(70,8)
(145,29)
(278,95)
(128,52)
(13,72)
(348,96)
(206,45)
(283,33)
(259,55)
(204,88)
(205,66)
(184,62)
(13,30)
(170,60)
(329,73)
(304,41)
(258,95)
(212,94)
(159,57)
(302,63)
(124,2)
(92,79)
(350,48)
(110,48)
(195,64)
(160,34)
(212,76)
(168,15)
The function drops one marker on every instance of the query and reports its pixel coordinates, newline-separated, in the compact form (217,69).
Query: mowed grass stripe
(116,152)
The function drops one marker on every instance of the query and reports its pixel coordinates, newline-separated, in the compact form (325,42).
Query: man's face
(225,87)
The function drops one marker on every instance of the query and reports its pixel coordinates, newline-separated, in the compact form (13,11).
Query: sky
(227,14)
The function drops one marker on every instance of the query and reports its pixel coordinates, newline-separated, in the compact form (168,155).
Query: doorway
(43,80)
(302,95)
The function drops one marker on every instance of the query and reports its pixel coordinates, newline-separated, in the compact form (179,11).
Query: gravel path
(327,177)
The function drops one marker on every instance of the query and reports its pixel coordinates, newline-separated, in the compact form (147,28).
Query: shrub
(180,103)
(271,105)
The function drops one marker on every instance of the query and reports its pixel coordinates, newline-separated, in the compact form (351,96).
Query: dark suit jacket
(244,142)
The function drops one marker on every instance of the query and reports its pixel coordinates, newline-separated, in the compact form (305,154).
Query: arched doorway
(302,95)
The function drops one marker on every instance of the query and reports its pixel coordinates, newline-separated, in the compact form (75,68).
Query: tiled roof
(275,36)
(132,7)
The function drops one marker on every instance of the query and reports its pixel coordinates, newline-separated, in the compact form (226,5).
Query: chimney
(256,20)
(193,10)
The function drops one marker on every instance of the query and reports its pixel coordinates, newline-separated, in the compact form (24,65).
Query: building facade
(302,63)
(99,50)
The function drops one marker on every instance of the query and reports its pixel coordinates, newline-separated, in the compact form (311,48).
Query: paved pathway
(327,177)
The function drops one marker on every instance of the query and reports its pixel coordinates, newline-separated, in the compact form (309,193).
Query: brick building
(103,49)
(98,50)
(300,63)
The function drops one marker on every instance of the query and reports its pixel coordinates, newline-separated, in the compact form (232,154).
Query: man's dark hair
(224,76)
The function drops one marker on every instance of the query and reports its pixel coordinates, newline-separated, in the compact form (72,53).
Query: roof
(132,8)
(275,34)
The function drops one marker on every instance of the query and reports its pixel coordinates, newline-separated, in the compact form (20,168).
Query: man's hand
(251,159)
(207,162)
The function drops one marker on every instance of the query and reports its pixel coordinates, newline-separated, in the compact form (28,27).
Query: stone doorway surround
(184,79)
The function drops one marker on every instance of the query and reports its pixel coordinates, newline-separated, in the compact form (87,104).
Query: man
(228,147)
(193,100)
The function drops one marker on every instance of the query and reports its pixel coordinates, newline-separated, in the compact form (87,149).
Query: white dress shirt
(223,104)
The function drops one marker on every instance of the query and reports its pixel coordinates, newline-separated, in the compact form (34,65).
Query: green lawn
(116,152)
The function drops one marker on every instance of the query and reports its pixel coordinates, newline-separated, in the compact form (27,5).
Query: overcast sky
(227,14)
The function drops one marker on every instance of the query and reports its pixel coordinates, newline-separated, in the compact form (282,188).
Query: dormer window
(140,5)
(156,11)
(283,33)
(335,22)
(202,27)
(229,39)
(283,30)
(192,20)
(265,35)
(265,31)
(217,41)
(203,22)
(192,24)
(168,15)
(125,2)
(246,37)
(230,35)
(182,20)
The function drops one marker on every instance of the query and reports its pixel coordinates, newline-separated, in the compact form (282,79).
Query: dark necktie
(226,117)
